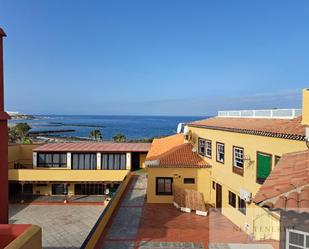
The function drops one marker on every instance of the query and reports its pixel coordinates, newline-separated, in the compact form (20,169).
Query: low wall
(94,235)
(29,236)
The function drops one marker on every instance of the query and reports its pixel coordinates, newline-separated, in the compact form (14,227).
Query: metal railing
(270,113)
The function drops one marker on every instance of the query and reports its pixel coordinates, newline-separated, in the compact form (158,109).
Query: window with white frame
(220,152)
(297,239)
(201,146)
(208,151)
(238,157)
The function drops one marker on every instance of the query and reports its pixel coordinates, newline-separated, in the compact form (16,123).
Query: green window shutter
(264,166)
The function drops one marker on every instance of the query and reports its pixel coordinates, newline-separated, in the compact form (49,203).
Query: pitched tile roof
(288,184)
(283,128)
(171,152)
(294,200)
(94,147)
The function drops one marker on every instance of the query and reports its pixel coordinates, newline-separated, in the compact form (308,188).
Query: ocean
(133,127)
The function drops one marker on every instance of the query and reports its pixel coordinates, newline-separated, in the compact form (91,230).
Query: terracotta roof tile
(162,145)
(296,200)
(283,128)
(173,152)
(94,147)
(287,187)
(291,172)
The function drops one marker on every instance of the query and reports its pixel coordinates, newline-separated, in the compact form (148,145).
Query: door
(218,197)
(263,166)
(135,163)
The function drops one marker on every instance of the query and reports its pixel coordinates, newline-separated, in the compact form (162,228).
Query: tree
(22,129)
(96,135)
(119,138)
(19,133)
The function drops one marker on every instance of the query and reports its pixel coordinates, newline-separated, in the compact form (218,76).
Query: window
(297,239)
(52,160)
(89,189)
(208,151)
(164,185)
(201,146)
(59,189)
(114,161)
(213,185)
(241,205)
(277,158)
(238,157)
(189,181)
(232,199)
(84,161)
(220,152)
(263,166)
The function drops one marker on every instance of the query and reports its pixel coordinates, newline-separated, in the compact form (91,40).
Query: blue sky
(154,57)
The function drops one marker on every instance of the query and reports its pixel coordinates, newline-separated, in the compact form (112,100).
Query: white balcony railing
(271,113)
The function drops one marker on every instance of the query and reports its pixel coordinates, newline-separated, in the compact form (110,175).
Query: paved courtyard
(63,226)
(140,225)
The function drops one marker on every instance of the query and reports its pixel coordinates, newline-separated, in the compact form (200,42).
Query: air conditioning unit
(245,195)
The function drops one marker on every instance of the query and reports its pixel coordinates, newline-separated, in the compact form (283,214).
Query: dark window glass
(114,161)
(296,239)
(50,160)
(232,199)
(59,189)
(188,180)
(89,189)
(220,152)
(241,205)
(201,146)
(208,151)
(238,157)
(84,161)
(164,186)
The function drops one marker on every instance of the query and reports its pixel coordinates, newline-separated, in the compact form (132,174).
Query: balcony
(67,175)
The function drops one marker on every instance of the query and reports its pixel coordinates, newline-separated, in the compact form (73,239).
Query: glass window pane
(296,239)
(307,241)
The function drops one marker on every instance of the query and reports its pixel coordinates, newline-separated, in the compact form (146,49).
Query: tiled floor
(139,225)
(63,226)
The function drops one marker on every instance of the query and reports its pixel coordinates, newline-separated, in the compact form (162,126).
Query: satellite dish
(179,128)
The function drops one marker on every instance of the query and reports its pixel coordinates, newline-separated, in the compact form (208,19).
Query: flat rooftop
(94,147)
(63,226)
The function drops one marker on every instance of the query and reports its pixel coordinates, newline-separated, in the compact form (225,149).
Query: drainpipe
(3,144)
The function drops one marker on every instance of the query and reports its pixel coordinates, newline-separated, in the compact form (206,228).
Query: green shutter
(264,166)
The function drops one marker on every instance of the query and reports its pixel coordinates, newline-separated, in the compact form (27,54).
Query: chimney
(3,144)
(305,107)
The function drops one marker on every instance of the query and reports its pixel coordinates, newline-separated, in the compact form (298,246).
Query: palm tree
(96,135)
(119,138)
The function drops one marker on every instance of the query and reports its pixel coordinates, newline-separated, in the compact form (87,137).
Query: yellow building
(242,148)
(81,168)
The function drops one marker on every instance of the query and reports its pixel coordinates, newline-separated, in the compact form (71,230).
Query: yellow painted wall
(223,174)
(29,239)
(142,158)
(202,182)
(305,118)
(21,153)
(66,175)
